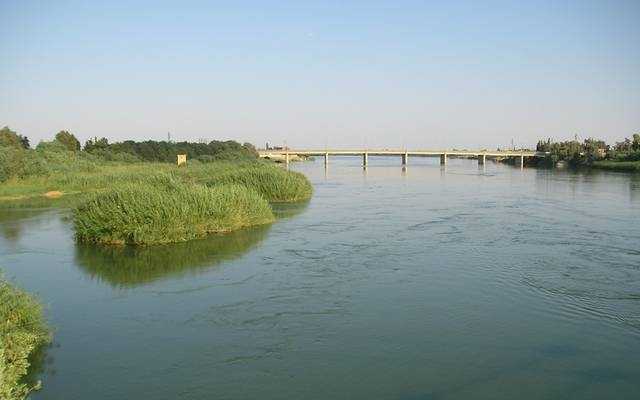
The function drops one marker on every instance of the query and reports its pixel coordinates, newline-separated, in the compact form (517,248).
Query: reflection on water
(14,222)
(289,210)
(38,364)
(128,266)
(17,216)
(634,187)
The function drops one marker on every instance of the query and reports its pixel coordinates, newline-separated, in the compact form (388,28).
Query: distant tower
(168,136)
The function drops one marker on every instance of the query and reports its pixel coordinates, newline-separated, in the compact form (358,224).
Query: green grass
(272,181)
(626,166)
(167,210)
(23,333)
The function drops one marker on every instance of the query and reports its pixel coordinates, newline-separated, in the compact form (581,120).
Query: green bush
(23,333)
(16,162)
(108,155)
(165,210)
(206,158)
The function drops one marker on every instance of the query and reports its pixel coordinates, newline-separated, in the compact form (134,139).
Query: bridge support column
(482,159)
(286,158)
(365,159)
(443,159)
(520,161)
(326,159)
(405,158)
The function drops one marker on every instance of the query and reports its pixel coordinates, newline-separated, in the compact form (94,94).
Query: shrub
(165,210)
(16,162)
(108,155)
(206,158)
(23,333)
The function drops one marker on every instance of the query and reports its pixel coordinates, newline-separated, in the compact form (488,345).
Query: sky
(316,74)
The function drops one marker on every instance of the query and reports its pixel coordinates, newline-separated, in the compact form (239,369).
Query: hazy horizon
(316,74)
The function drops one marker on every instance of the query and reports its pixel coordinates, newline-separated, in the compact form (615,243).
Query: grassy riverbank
(23,333)
(120,197)
(152,203)
(270,180)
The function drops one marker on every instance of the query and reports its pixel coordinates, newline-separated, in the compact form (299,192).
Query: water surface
(423,283)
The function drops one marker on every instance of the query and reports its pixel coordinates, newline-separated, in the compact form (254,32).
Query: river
(418,283)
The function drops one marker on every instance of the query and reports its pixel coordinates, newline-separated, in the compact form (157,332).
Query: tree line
(19,160)
(586,152)
(149,150)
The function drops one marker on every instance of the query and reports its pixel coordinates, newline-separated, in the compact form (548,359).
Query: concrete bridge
(481,155)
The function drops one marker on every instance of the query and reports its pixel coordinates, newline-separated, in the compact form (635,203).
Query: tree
(68,140)
(96,144)
(635,145)
(624,146)
(12,139)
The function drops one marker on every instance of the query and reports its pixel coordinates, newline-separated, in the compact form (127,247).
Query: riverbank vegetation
(622,156)
(23,335)
(61,167)
(134,193)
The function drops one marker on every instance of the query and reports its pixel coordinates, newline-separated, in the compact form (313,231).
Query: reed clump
(167,210)
(23,333)
(272,182)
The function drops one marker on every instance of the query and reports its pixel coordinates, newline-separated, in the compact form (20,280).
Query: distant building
(276,147)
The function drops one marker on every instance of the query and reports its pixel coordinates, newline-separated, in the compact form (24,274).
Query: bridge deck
(386,152)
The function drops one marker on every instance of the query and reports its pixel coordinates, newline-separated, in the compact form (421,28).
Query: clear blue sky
(316,73)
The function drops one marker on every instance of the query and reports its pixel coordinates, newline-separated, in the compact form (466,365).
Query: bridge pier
(365,159)
(443,159)
(482,159)
(286,158)
(326,159)
(405,158)
(520,161)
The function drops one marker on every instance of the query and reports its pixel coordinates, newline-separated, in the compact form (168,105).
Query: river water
(424,283)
